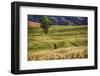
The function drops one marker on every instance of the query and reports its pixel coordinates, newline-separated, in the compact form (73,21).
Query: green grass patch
(62,36)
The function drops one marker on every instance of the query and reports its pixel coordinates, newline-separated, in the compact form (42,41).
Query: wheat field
(70,41)
(62,53)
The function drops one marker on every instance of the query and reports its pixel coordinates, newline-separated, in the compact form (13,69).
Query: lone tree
(45,23)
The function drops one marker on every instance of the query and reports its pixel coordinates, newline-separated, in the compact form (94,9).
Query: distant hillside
(61,20)
(33,24)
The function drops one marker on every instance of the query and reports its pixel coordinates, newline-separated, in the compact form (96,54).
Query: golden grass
(61,53)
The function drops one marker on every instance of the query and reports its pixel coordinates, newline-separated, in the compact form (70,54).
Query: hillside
(70,41)
(33,24)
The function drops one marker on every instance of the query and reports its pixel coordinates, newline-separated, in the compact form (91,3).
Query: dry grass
(33,24)
(61,53)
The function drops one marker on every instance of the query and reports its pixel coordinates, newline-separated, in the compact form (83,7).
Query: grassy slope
(63,36)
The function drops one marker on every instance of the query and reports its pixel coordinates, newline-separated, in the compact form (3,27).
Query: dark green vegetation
(58,37)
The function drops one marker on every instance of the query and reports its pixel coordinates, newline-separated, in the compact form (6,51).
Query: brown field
(61,53)
(33,24)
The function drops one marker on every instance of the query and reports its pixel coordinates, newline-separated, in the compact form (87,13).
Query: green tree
(45,23)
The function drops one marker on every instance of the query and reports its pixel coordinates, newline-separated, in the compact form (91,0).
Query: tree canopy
(45,23)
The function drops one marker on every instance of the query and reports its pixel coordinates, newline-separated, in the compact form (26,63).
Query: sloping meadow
(61,42)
